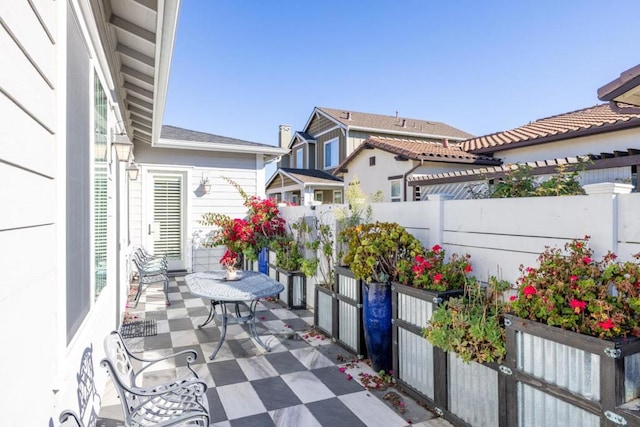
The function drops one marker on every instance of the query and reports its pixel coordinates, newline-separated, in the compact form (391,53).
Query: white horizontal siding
(23,83)
(25,26)
(25,143)
(26,197)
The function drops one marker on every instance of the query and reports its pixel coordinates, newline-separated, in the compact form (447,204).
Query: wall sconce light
(206,185)
(132,171)
(123,147)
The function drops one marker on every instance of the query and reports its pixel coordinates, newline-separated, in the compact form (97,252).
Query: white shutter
(167,216)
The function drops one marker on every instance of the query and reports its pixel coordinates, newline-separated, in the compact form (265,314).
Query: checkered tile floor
(298,383)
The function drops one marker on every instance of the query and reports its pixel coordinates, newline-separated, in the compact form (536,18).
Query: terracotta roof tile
(393,123)
(599,118)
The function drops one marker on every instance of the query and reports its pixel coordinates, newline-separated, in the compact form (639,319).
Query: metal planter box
(295,288)
(565,378)
(338,312)
(418,366)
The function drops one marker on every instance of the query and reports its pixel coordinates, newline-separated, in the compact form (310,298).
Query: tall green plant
(320,259)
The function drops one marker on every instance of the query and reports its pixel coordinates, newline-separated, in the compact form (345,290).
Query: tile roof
(312,176)
(420,149)
(180,134)
(596,119)
(384,123)
(625,88)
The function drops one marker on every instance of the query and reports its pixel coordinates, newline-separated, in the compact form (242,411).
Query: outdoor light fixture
(123,147)
(132,171)
(206,185)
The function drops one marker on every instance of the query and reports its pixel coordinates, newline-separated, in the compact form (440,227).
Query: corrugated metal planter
(418,366)
(338,312)
(565,378)
(295,288)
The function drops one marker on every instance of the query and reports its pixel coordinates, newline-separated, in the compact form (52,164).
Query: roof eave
(219,147)
(415,134)
(623,88)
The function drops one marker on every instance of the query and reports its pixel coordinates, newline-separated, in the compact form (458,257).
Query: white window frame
(398,184)
(299,158)
(337,194)
(318,196)
(335,142)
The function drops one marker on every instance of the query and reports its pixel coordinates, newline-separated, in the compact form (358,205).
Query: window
(100,229)
(417,193)
(396,193)
(331,153)
(295,199)
(372,161)
(299,161)
(318,196)
(337,196)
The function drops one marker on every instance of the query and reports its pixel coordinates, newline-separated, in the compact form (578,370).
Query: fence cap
(608,188)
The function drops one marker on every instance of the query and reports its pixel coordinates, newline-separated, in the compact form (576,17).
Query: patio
(306,380)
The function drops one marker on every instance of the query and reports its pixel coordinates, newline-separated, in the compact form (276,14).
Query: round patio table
(250,287)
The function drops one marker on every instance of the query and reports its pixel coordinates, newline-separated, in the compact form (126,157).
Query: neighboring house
(624,90)
(169,198)
(384,164)
(330,135)
(607,135)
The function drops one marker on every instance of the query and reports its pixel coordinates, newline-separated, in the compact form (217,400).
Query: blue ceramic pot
(376,316)
(263,261)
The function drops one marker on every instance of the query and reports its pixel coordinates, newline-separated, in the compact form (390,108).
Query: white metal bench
(182,402)
(150,269)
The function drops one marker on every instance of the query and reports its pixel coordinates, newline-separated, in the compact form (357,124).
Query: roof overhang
(625,89)
(138,39)
(218,147)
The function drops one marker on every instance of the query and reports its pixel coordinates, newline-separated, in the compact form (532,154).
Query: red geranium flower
(529,290)
(437,277)
(577,305)
(607,324)
(468,269)
(436,248)
(586,260)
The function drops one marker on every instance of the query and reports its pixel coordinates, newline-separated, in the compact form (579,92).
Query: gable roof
(175,137)
(420,149)
(307,177)
(588,121)
(389,124)
(625,88)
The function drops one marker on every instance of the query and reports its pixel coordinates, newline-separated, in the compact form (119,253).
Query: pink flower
(577,305)
(529,290)
(529,270)
(586,260)
(437,277)
(349,377)
(574,278)
(512,298)
(468,269)
(607,324)
(436,248)
(342,369)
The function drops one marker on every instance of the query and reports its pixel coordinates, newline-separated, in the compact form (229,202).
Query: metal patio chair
(149,275)
(182,402)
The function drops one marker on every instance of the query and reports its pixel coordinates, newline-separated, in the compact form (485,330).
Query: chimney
(396,114)
(348,115)
(404,123)
(445,143)
(284,135)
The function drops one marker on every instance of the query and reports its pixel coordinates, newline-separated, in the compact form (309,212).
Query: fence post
(436,228)
(608,191)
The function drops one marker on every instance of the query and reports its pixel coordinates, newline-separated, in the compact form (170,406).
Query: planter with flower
(377,254)
(572,337)
(247,237)
(429,279)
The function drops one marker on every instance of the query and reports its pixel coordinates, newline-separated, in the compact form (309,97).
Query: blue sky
(241,68)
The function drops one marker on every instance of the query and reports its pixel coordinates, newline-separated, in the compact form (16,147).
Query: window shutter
(167,216)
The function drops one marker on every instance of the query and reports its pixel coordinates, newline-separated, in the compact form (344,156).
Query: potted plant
(377,253)
(288,250)
(247,237)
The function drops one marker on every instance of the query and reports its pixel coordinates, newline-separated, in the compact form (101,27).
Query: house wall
(321,140)
(46,149)
(595,144)
(223,197)
(502,234)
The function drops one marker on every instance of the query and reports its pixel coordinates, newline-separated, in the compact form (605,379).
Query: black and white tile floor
(298,383)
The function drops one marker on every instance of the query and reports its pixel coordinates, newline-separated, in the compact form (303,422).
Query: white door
(165,217)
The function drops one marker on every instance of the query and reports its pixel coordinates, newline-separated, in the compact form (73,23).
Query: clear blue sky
(241,68)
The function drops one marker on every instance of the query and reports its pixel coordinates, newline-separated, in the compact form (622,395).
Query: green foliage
(573,291)
(320,258)
(472,325)
(379,251)
(287,249)
(518,181)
